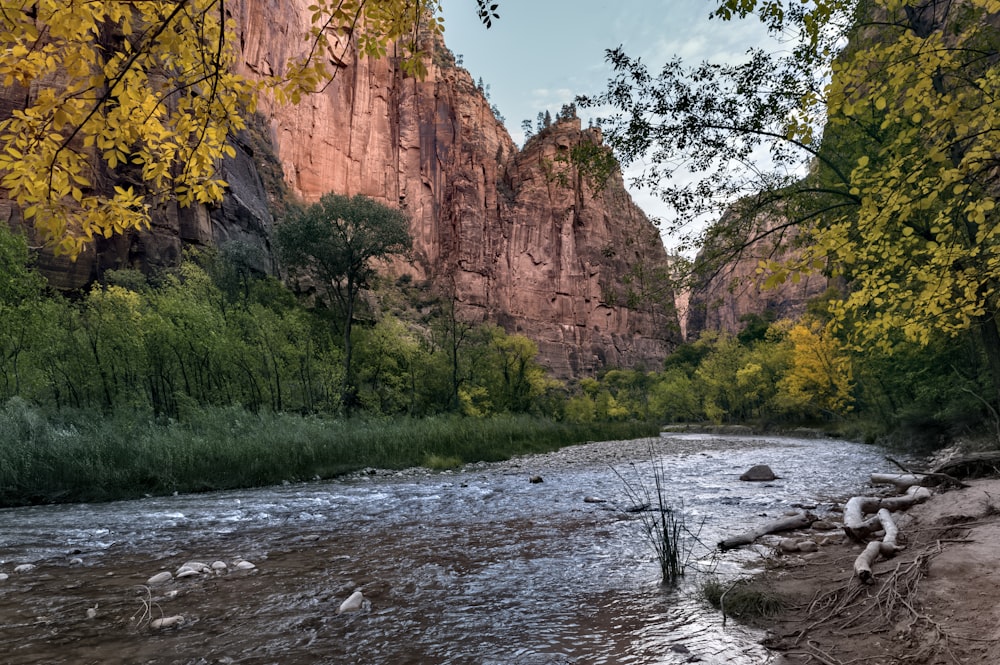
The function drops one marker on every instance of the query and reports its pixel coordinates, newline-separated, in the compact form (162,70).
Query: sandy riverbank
(938,601)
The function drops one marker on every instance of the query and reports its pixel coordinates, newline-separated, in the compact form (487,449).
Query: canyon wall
(516,237)
(729,292)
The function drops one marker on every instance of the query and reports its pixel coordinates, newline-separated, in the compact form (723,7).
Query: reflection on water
(479,566)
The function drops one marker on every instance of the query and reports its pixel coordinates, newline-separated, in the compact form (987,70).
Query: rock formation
(733,290)
(518,237)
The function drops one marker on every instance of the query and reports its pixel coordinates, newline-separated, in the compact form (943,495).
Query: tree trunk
(886,548)
(800,521)
(989,335)
(858,527)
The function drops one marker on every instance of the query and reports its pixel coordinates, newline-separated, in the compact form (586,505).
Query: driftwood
(973,465)
(886,548)
(799,521)
(901,481)
(858,527)
(930,478)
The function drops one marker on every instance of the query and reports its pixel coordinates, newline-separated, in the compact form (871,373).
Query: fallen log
(858,527)
(972,465)
(931,478)
(799,521)
(887,548)
(901,481)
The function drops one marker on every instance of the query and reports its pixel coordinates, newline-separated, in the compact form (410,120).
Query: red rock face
(736,290)
(515,242)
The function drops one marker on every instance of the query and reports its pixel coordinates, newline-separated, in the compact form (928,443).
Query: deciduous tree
(883,125)
(131,103)
(336,242)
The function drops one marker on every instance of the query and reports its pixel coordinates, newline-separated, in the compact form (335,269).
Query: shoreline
(934,602)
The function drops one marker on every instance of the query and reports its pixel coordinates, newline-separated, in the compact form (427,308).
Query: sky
(540,54)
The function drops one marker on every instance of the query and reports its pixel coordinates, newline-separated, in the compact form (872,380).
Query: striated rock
(513,236)
(727,294)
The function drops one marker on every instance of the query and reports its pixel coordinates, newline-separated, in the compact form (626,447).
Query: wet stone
(758,473)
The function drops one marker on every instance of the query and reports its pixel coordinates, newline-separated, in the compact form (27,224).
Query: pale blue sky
(540,54)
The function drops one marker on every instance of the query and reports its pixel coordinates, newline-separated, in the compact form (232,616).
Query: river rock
(808,546)
(197,566)
(788,545)
(823,525)
(353,603)
(25,568)
(4,576)
(535,479)
(593,499)
(167,622)
(160,578)
(244,565)
(758,473)
(219,566)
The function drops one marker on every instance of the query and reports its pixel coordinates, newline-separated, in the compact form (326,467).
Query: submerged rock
(160,578)
(166,622)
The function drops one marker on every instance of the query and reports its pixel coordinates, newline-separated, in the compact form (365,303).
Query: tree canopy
(131,103)
(335,242)
(882,125)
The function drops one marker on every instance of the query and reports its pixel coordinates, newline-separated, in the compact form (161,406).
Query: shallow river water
(477,566)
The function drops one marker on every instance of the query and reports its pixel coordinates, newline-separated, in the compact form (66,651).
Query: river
(477,566)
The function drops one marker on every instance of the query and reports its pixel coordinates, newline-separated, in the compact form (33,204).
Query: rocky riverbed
(478,565)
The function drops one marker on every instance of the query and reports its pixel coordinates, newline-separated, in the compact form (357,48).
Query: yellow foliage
(819,378)
(146,88)
(919,241)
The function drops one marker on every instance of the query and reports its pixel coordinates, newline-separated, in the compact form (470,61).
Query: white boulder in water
(167,622)
(244,565)
(219,566)
(25,568)
(3,576)
(160,578)
(354,602)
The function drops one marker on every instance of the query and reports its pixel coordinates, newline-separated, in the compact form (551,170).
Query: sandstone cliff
(727,293)
(516,237)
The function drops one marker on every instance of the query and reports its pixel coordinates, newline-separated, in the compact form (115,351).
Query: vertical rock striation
(730,292)
(516,237)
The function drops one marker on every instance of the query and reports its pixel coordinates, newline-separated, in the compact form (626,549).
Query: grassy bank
(85,456)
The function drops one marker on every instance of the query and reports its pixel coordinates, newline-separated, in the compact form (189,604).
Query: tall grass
(88,456)
(663,524)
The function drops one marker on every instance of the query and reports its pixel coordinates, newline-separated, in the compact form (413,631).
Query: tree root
(889,605)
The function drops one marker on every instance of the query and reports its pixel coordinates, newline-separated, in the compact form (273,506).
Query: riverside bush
(85,455)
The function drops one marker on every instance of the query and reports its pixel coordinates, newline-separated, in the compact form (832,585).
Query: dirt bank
(938,601)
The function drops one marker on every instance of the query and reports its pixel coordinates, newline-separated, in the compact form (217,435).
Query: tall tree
(336,242)
(883,126)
